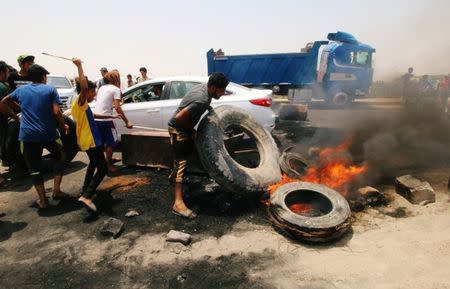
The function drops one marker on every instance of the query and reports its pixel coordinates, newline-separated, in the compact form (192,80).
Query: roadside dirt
(234,245)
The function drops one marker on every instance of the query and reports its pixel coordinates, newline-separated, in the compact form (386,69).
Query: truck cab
(344,68)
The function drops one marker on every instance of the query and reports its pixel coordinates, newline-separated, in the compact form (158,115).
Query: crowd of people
(41,125)
(413,90)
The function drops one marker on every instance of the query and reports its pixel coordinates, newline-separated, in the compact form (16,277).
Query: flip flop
(189,214)
(115,160)
(91,207)
(61,196)
(38,204)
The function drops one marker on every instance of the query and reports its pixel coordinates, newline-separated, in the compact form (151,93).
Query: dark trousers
(32,154)
(96,162)
(12,155)
(182,146)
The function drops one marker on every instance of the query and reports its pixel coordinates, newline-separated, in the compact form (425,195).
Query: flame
(333,168)
(301,208)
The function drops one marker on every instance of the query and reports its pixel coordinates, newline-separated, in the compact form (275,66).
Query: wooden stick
(56,56)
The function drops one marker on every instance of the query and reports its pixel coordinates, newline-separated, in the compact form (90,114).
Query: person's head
(112,77)
(25,61)
(103,71)
(129,77)
(91,92)
(143,71)
(410,70)
(4,71)
(37,73)
(217,83)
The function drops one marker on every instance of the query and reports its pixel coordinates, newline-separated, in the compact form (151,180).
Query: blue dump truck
(338,70)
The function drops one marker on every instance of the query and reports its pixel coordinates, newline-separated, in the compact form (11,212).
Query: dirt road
(234,245)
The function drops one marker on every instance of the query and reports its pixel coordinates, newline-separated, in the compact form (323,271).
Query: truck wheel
(214,131)
(341,99)
(309,212)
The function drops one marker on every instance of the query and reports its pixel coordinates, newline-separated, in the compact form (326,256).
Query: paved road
(322,115)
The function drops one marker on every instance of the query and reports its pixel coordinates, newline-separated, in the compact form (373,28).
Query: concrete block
(414,190)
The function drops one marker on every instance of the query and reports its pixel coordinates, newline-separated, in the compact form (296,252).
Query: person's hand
(76,61)
(129,125)
(65,129)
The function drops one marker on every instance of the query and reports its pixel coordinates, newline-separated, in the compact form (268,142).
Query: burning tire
(237,177)
(309,212)
(292,164)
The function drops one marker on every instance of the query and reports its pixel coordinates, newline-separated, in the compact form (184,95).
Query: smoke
(402,140)
(414,37)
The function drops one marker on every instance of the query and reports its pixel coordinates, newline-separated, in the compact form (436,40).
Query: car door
(174,92)
(142,107)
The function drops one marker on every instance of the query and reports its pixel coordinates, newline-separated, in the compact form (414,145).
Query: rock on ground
(414,190)
(177,236)
(112,227)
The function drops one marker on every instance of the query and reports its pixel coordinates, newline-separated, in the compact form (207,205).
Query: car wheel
(222,165)
(309,212)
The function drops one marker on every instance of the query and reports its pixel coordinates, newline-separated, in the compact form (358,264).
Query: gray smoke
(403,140)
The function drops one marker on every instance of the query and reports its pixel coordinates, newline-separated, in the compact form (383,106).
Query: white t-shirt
(105,100)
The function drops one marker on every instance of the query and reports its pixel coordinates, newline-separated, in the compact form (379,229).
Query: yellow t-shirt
(88,135)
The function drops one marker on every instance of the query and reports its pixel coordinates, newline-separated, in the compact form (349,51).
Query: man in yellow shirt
(88,137)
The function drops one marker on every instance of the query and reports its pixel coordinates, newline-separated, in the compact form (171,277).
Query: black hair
(3,66)
(143,69)
(91,85)
(128,75)
(36,76)
(218,79)
(12,69)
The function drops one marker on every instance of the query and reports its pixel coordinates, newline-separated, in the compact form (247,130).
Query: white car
(65,89)
(152,103)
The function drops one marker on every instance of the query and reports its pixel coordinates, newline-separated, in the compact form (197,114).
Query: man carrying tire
(41,114)
(182,132)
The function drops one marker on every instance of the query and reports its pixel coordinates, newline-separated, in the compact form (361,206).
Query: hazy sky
(172,37)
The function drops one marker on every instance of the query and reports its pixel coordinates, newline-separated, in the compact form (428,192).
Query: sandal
(38,204)
(115,160)
(185,213)
(90,206)
(61,196)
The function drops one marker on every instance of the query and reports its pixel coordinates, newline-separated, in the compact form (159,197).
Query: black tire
(324,228)
(292,164)
(341,99)
(218,163)
(69,140)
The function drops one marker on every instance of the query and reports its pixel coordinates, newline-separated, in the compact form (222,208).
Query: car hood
(65,91)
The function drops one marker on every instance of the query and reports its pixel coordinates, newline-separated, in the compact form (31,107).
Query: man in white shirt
(108,98)
(143,76)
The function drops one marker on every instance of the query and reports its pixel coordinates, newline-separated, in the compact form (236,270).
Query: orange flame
(301,208)
(333,168)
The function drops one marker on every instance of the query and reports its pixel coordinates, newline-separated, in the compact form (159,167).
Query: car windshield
(58,82)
